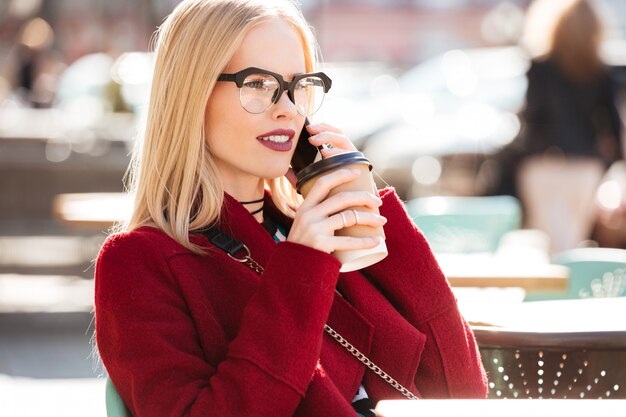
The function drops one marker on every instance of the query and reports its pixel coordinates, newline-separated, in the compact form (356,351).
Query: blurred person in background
(38,66)
(570,123)
(184,329)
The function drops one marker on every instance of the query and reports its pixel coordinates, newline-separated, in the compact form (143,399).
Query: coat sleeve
(450,365)
(148,343)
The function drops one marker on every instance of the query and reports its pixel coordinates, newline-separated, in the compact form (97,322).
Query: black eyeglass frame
(289,86)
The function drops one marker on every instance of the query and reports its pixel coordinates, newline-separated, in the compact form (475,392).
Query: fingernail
(383,219)
(355,171)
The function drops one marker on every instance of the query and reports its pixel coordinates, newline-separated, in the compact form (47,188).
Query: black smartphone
(305,153)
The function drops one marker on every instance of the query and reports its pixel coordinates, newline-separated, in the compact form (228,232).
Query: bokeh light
(37,34)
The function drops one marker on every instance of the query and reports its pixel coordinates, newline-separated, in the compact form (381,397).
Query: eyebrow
(288,77)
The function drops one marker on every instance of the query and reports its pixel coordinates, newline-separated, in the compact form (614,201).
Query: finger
(315,128)
(347,199)
(327,182)
(332,152)
(347,218)
(353,243)
(337,140)
(344,220)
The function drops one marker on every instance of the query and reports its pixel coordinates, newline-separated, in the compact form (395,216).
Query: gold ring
(356,216)
(343,218)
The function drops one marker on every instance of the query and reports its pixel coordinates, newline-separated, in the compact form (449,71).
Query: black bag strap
(222,240)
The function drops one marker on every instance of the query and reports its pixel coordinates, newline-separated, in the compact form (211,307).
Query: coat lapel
(342,367)
(240,224)
(396,345)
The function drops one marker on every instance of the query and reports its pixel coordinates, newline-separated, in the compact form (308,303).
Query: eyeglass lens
(259,92)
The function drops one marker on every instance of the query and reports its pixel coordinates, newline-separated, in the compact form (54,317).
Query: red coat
(188,335)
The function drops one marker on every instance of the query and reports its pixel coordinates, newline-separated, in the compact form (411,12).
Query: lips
(278,139)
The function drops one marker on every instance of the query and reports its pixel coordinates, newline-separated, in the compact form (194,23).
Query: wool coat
(182,334)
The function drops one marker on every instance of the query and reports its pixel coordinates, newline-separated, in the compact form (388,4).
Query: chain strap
(255,266)
(248,261)
(367,362)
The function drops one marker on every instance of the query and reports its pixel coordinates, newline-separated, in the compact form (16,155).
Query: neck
(248,191)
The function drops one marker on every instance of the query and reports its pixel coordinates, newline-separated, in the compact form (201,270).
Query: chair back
(527,364)
(465,224)
(594,273)
(114,403)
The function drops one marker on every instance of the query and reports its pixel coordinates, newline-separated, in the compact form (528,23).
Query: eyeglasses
(259,89)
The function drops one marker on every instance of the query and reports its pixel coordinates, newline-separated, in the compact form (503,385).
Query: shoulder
(138,250)
(137,259)
(143,241)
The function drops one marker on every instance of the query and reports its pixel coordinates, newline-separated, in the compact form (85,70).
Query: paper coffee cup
(351,260)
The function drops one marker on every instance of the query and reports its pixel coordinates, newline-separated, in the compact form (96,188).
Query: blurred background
(434,92)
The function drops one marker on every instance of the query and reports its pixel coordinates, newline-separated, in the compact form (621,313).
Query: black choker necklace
(257,211)
(254,202)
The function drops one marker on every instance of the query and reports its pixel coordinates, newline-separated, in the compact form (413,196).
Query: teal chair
(465,224)
(114,403)
(594,272)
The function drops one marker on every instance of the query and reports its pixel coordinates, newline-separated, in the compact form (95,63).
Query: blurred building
(405,32)
(402,32)
(397,31)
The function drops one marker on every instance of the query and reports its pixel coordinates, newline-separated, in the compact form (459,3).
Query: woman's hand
(319,215)
(324,134)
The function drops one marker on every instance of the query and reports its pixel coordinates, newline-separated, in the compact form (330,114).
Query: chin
(275,172)
(275,168)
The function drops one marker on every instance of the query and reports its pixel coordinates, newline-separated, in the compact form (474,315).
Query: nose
(284,107)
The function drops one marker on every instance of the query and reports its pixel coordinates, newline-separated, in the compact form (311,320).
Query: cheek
(228,131)
(216,118)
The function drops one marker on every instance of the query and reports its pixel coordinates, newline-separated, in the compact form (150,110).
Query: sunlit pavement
(33,397)
(47,365)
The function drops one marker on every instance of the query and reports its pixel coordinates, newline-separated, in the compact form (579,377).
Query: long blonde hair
(568,32)
(173,177)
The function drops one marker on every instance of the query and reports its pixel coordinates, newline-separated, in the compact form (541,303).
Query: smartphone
(305,153)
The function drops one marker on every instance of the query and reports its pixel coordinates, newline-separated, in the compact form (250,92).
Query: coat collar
(237,221)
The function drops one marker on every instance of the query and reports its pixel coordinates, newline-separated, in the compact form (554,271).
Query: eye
(260,83)
(310,82)
(254,84)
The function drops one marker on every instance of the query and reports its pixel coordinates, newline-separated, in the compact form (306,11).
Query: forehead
(272,45)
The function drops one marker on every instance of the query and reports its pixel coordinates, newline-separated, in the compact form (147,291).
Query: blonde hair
(567,31)
(173,176)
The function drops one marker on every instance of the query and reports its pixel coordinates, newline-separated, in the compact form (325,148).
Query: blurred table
(488,270)
(588,314)
(91,210)
(501,408)
(571,349)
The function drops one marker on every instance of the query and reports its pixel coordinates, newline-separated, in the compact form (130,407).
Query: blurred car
(358,102)
(449,112)
(100,99)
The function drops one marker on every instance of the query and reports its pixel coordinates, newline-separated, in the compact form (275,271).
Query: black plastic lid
(330,163)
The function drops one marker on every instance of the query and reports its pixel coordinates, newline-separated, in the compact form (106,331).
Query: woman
(182,328)
(570,103)
(571,128)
